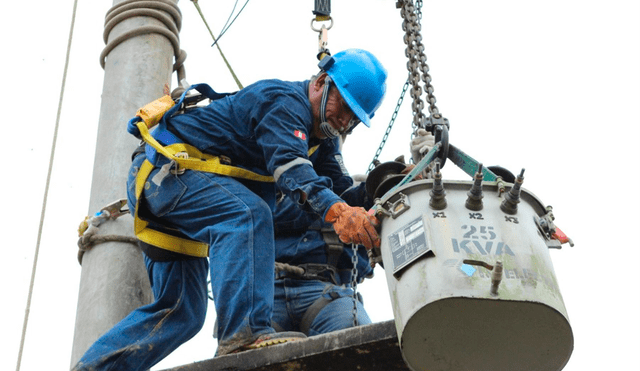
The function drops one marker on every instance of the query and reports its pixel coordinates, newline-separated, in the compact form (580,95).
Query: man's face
(338,114)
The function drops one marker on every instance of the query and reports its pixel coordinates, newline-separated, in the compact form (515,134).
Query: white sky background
(550,86)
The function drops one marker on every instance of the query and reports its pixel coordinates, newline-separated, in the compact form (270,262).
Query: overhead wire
(234,19)
(215,41)
(230,15)
(46,188)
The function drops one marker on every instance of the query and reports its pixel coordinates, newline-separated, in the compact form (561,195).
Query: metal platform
(370,347)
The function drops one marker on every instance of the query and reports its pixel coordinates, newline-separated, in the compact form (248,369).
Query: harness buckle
(191,101)
(178,169)
(313,271)
(224,160)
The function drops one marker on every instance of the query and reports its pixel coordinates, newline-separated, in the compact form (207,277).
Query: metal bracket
(547,228)
(399,206)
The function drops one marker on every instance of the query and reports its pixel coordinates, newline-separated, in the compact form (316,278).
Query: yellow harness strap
(195,160)
(156,238)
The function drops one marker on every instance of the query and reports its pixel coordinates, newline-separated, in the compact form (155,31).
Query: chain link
(412,16)
(372,165)
(417,63)
(354,282)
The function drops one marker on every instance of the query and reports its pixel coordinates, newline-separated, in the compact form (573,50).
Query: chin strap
(329,131)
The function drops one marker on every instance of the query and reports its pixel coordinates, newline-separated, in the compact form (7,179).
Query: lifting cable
(46,188)
(215,41)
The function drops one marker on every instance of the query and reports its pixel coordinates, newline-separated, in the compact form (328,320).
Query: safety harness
(183,157)
(321,272)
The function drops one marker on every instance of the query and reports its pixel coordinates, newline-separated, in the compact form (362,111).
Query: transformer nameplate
(408,244)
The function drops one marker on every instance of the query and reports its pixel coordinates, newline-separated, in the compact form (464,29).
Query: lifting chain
(418,68)
(354,282)
(417,64)
(375,161)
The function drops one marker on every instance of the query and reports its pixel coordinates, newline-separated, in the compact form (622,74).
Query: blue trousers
(294,297)
(235,219)
(176,315)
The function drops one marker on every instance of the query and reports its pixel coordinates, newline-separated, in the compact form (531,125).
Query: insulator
(474,199)
(510,203)
(437,201)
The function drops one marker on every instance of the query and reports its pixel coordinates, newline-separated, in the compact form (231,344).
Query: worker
(318,297)
(314,291)
(264,130)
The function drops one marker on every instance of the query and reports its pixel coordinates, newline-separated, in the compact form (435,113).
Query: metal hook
(323,26)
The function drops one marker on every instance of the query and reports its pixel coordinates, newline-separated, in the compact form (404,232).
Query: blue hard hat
(360,79)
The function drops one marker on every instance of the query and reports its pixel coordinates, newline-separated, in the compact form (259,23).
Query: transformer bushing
(474,199)
(512,198)
(437,200)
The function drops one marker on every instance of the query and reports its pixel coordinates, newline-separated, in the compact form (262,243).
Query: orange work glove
(354,225)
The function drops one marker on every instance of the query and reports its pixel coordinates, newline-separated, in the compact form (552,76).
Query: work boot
(262,341)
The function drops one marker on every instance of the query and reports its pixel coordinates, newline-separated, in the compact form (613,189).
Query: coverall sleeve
(331,164)
(283,136)
(357,196)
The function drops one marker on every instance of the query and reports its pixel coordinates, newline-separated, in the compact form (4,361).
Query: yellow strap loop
(157,238)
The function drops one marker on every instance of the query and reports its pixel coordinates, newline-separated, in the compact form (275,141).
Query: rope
(195,2)
(90,239)
(46,188)
(157,9)
(88,228)
(289,268)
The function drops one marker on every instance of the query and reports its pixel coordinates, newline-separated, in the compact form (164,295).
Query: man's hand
(408,169)
(354,225)
(421,144)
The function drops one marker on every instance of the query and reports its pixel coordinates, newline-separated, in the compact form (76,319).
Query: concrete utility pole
(114,280)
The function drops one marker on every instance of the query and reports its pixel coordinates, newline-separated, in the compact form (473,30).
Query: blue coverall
(299,240)
(266,128)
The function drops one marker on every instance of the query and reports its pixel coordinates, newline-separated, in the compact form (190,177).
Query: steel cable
(46,188)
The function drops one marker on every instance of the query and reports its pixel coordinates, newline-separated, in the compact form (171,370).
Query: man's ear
(319,81)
